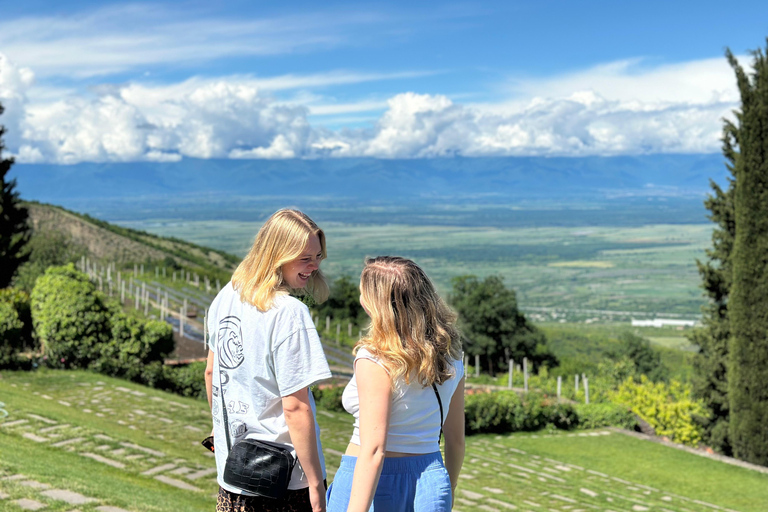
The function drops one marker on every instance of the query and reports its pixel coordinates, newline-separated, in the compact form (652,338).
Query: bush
(186,380)
(69,317)
(19,299)
(11,340)
(505,411)
(668,408)
(133,343)
(605,415)
(329,397)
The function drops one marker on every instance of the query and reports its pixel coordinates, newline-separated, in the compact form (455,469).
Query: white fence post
(586,390)
(525,373)
(511,372)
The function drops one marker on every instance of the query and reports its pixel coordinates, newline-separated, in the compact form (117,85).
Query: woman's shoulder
(285,304)
(364,353)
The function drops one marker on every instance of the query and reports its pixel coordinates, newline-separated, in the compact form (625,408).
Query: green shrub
(668,408)
(11,340)
(69,317)
(187,380)
(605,415)
(20,301)
(329,397)
(505,411)
(133,343)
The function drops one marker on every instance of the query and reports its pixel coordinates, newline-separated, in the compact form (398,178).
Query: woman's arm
(375,392)
(301,427)
(453,431)
(209,376)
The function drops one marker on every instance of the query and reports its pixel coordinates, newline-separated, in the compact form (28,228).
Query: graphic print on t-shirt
(230,343)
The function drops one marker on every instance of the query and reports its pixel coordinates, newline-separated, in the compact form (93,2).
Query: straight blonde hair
(412,329)
(259,278)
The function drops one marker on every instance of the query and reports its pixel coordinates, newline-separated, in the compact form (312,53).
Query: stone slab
(159,469)
(71,497)
(501,504)
(588,492)
(11,478)
(472,495)
(13,423)
(176,483)
(143,449)
(35,438)
(27,504)
(34,484)
(3,495)
(104,460)
(43,419)
(68,441)
(201,474)
(107,508)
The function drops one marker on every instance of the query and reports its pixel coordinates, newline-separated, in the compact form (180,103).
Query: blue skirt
(408,484)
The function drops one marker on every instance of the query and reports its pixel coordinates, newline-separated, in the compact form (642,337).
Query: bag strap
(440,403)
(224,411)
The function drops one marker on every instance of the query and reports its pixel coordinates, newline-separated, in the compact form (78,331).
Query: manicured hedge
(134,342)
(505,411)
(69,318)
(79,328)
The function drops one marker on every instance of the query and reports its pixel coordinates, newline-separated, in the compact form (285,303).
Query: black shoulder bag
(255,466)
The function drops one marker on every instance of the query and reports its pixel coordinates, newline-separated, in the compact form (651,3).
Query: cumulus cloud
(15,82)
(618,109)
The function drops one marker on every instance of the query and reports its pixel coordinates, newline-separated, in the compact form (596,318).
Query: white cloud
(696,82)
(628,111)
(15,83)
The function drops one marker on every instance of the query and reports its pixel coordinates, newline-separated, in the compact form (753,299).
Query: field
(598,273)
(80,440)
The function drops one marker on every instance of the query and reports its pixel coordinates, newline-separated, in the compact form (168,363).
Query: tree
(748,303)
(644,359)
(711,363)
(493,326)
(14,230)
(343,302)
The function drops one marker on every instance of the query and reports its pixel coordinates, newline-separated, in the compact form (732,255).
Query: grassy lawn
(68,430)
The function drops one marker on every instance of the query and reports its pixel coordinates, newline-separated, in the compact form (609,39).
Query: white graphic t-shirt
(261,357)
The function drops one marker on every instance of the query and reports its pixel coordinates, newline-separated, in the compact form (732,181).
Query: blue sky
(109,81)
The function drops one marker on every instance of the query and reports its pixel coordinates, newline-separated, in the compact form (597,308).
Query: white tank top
(414,422)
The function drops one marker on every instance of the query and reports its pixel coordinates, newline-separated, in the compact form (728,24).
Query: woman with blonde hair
(406,393)
(264,354)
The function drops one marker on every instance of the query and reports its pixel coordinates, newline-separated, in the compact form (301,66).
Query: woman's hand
(317,497)
(301,427)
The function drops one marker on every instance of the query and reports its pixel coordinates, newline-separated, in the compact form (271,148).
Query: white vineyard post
(525,374)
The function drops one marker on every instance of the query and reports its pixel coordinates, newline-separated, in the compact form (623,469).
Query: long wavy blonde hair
(412,329)
(259,278)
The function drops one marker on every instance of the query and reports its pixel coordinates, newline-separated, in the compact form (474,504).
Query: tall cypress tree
(711,363)
(14,230)
(748,303)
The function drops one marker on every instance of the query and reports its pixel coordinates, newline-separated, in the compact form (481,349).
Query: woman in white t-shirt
(265,353)
(406,392)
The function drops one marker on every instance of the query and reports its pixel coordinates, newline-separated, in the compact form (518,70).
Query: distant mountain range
(492,180)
